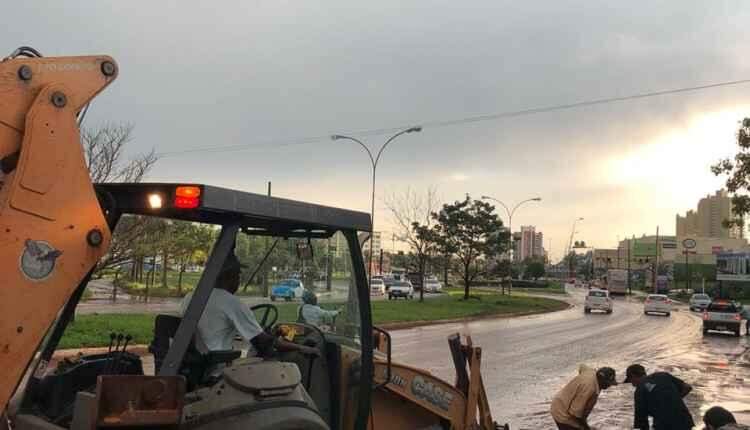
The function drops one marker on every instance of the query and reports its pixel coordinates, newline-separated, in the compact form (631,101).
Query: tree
(738,181)
(104,151)
(189,240)
(412,215)
(534,270)
(471,231)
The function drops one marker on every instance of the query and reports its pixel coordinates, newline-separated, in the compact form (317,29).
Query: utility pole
(265,266)
(329,265)
(380,264)
(656,259)
(687,269)
(630,291)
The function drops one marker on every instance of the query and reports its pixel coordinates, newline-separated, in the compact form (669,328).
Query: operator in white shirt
(226,316)
(311,313)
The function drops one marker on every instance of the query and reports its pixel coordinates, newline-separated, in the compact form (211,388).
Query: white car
(432,285)
(377,287)
(401,289)
(657,303)
(699,302)
(597,300)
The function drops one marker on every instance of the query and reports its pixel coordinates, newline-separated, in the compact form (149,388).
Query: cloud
(249,73)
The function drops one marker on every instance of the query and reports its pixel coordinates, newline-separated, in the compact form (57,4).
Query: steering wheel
(267,309)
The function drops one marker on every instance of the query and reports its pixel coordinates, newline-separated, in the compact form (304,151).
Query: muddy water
(526,360)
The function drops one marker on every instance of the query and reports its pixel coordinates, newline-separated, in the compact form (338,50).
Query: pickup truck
(723,315)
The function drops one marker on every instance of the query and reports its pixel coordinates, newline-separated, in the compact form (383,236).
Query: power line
(453,122)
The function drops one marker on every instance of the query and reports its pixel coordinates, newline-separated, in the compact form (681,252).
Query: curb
(413,324)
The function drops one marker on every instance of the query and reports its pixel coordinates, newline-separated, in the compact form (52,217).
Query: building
(528,243)
(376,244)
(707,219)
(605,259)
(538,249)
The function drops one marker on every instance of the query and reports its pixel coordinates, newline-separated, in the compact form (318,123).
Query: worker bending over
(572,405)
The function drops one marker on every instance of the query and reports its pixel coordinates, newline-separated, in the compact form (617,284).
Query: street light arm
(535,199)
(382,148)
(507,211)
(369,153)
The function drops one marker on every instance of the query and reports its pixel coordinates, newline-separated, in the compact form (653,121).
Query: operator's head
(309,298)
(634,374)
(229,276)
(717,417)
(605,376)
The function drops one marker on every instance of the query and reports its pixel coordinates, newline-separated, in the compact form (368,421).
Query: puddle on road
(717,366)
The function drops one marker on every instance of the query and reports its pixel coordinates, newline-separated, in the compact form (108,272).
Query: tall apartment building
(528,243)
(706,220)
(376,244)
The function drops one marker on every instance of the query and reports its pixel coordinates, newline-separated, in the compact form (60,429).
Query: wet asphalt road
(526,360)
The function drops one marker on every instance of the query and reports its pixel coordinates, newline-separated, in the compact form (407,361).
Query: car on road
(288,289)
(699,302)
(377,286)
(597,300)
(401,289)
(657,303)
(723,315)
(432,285)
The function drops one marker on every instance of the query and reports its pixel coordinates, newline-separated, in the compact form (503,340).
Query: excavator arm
(52,229)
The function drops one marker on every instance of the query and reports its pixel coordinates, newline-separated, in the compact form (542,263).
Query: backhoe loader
(55,225)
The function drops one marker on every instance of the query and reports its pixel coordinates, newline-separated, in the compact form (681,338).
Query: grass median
(93,330)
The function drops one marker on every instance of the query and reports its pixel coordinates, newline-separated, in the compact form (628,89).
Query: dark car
(723,315)
(416,280)
(388,281)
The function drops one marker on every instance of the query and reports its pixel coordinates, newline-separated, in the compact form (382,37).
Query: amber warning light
(187,197)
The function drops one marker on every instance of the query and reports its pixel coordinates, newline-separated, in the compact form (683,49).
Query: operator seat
(195,367)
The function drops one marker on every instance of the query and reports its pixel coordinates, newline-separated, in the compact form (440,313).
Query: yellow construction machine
(55,225)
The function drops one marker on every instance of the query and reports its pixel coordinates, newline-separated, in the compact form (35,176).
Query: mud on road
(526,360)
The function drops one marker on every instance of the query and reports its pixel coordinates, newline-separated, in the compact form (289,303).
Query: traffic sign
(689,243)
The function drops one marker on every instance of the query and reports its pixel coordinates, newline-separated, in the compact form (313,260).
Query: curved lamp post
(510,213)
(374,162)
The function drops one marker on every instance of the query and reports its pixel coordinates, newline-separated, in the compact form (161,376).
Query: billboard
(644,249)
(733,266)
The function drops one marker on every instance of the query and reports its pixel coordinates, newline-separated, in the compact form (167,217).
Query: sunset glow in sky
(273,79)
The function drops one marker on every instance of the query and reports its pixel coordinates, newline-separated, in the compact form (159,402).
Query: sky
(271,79)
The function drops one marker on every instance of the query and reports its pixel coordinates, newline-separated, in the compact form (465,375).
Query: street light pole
(572,233)
(374,162)
(510,213)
